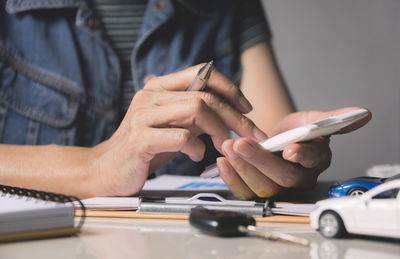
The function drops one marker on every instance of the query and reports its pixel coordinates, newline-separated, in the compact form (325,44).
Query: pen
(162,207)
(212,201)
(200,81)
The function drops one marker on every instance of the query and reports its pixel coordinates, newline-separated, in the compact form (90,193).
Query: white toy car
(375,213)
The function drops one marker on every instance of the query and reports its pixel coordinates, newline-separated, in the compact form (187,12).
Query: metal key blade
(252,230)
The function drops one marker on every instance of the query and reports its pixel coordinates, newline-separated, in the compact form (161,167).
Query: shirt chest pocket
(36,106)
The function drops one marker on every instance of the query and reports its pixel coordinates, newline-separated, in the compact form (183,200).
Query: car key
(230,223)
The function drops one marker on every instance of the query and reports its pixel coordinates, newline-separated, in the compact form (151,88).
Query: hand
(163,119)
(249,170)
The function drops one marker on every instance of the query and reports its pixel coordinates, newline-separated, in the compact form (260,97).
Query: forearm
(262,84)
(60,169)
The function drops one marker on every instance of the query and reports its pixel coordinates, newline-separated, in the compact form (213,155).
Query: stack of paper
(111,203)
(295,209)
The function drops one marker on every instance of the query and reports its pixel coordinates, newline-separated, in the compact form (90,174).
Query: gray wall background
(335,53)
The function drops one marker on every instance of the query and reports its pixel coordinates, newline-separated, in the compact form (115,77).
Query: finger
(301,118)
(280,171)
(194,115)
(157,141)
(178,81)
(356,125)
(239,188)
(258,182)
(315,116)
(221,85)
(233,120)
(217,83)
(314,154)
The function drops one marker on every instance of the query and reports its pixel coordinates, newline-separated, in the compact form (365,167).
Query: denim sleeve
(252,26)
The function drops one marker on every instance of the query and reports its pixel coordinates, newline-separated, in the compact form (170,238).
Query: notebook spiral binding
(45,196)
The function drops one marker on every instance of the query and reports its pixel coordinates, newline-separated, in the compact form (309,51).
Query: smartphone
(306,132)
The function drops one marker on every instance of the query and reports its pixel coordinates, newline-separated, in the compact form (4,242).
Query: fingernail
(222,168)
(245,104)
(294,157)
(258,134)
(230,154)
(245,149)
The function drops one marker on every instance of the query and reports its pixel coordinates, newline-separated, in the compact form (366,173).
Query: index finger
(355,125)
(217,83)
(305,117)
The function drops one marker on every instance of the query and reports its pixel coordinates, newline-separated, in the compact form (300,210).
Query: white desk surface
(150,238)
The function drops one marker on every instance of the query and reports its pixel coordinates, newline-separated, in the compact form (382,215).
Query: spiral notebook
(27,214)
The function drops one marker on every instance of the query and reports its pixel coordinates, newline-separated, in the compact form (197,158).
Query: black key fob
(219,222)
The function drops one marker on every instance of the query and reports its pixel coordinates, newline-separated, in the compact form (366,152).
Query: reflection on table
(146,238)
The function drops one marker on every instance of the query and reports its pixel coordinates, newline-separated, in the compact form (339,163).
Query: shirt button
(158,6)
(93,23)
(147,78)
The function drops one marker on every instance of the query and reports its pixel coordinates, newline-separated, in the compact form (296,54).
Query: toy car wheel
(331,225)
(356,191)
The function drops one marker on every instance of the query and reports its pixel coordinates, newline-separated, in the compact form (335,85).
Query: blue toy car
(357,186)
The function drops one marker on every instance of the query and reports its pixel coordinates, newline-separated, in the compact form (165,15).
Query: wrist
(104,169)
(95,172)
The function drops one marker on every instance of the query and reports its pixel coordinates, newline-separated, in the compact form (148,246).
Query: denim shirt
(60,78)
